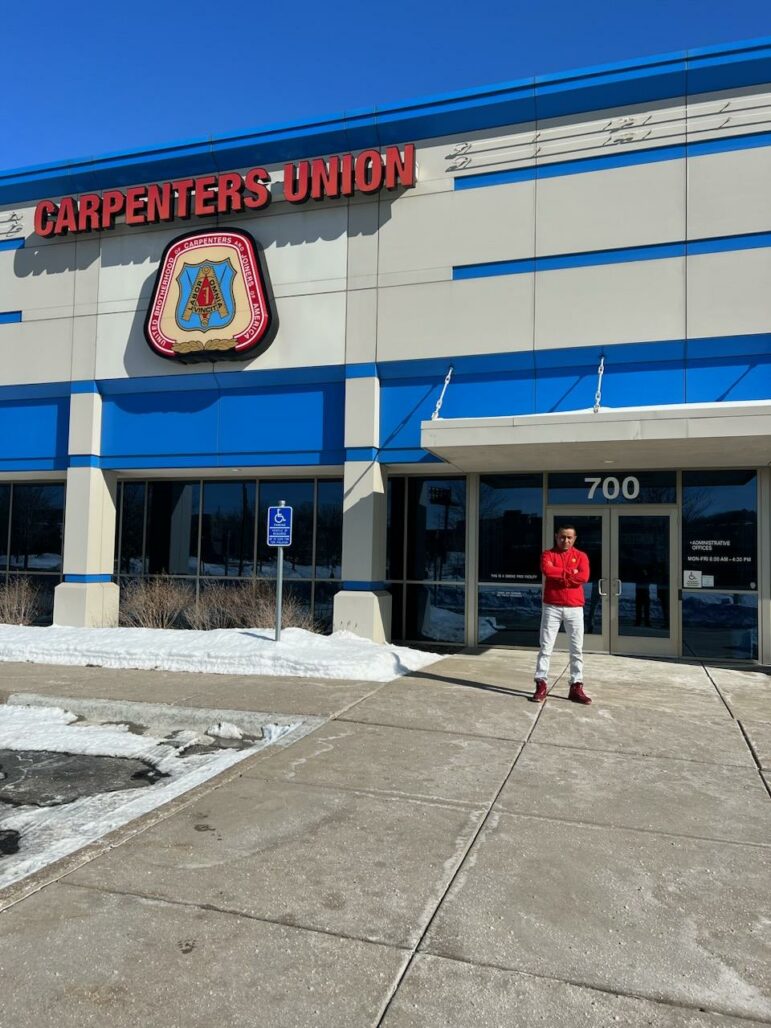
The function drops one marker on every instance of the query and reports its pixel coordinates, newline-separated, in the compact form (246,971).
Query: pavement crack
(229,911)
(488,816)
(670,1004)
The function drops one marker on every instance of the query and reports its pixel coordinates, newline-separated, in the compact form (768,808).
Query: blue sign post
(279,535)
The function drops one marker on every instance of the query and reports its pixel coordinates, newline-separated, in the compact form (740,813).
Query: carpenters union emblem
(211,299)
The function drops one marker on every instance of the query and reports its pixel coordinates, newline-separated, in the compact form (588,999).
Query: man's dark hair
(565,528)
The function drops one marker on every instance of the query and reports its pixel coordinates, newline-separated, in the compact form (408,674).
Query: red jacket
(564,574)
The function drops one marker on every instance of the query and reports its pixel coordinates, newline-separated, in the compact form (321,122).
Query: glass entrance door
(642,586)
(631,593)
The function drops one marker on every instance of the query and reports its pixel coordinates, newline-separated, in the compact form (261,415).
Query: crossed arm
(555,572)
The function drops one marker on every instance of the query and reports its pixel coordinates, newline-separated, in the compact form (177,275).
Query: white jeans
(573,620)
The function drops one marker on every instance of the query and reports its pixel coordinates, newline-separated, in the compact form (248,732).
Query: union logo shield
(206,295)
(211,299)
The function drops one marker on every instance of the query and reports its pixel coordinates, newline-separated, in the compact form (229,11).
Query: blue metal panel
(361,370)
(83,386)
(11,244)
(508,104)
(593,90)
(10,317)
(84,460)
(728,379)
(34,430)
(87,579)
(361,453)
(726,369)
(297,418)
(160,423)
(211,427)
(307,459)
(711,69)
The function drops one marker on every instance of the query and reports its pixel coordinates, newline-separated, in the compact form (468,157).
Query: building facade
(468,319)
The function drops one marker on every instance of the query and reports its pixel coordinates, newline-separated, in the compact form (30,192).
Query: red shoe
(577,694)
(541,690)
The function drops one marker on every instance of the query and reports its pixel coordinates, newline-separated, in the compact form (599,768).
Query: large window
(31,537)
(216,530)
(510,533)
(426,558)
(720,564)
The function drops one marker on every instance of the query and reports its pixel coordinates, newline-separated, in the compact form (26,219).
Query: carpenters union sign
(228,193)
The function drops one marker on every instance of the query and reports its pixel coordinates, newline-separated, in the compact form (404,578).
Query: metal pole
(279,584)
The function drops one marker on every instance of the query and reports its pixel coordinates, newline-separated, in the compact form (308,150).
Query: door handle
(600,587)
(618,586)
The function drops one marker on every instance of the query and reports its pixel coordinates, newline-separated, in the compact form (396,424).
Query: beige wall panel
(311,332)
(362,412)
(363,243)
(304,246)
(486,315)
(729,293)
(361,326)
(729,193)
(466,227)
(37,279)
(601,210)
(307,244)
(36,351)
(612,303)
(129,262)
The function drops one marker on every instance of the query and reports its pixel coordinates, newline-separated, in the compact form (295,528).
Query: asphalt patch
(43,779)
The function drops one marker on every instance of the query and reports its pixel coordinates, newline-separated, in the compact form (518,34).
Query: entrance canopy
(675,436)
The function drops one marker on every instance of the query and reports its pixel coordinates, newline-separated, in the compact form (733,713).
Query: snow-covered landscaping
(226,651)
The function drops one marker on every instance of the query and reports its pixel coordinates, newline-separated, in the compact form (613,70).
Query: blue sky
(89,78)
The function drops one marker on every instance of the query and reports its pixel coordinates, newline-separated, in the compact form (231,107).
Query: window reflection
(509,615)
(329,529)
(227,529)
(37,527)
(5,502)
(436,529)
(395,528)
(172,528)
(436,613)
(720,528)
(510,528)
(131,526)
(323,604)
(723,626)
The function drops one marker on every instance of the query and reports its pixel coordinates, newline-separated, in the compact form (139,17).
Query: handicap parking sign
(279,526)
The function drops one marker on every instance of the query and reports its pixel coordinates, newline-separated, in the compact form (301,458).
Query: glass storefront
(31,538)
(426,558)
(510,544)
(720,564)
(204,531)
(655,588)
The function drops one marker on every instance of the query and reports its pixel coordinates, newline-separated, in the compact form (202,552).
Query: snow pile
(52,729)
(224,730)
(226,651)
(49,833)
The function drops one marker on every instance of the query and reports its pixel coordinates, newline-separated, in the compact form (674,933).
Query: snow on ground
(226,651)
(52,729)
(49,833)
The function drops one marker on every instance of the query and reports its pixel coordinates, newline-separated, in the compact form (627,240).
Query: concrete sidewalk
(440,852)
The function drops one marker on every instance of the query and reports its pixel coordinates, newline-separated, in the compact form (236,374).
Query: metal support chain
(439,402)
(598,394)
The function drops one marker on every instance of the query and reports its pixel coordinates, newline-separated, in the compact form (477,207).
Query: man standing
(565,569)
